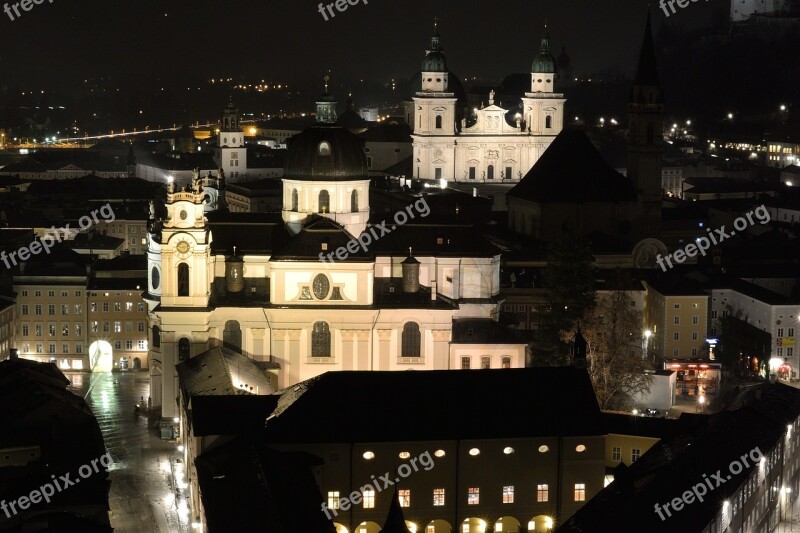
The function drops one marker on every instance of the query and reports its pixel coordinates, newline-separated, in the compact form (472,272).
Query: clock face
(182,247)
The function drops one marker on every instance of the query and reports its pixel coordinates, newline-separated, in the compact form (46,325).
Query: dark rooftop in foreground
(560,400)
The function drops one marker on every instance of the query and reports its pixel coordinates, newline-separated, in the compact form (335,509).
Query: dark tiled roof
(484,331)
(95,241)
(391,133)
(220,371)
(307,245)
(251,233)
(243,483)
(560,400)
(640,426)
(231,415)
(572,171)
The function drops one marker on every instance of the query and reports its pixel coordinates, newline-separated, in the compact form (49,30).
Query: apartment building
(676,312)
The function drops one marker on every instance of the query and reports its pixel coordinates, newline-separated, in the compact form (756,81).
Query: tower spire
(435,46)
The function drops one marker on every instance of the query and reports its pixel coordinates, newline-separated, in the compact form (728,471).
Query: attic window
(324,148)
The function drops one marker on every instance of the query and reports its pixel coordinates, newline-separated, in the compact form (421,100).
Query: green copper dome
(434,62)
(544,63)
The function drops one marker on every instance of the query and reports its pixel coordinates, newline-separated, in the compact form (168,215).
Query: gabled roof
(572,171)
(560,400)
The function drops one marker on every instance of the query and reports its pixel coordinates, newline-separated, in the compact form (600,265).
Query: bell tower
(646,139)
(185,248)
(231,153)
(543,107)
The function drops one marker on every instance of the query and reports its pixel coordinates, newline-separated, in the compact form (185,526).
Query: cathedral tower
(231,154)
(646,139)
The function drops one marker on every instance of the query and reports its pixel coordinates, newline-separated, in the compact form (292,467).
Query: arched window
(156,337)
(232,336)
(184,349)
(438,122)
(354,201)
(411,340)
(183,279)
(324,201)
(490,172)
(324,148)
(321,340)
(295,201)
(548,122)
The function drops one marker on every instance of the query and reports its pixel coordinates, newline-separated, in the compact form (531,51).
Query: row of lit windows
(117,307)
(508,450)
(52,294)
(52,329)
(94,325)
(473,496)
(51,348)
(486,362)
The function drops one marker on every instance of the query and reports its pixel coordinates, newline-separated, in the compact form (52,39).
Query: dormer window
(324,148)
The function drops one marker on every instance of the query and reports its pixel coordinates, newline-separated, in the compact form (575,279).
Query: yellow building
(677,315)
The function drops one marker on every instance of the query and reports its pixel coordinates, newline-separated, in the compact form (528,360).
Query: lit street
(142,496)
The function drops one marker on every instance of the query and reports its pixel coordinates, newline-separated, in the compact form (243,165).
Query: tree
(569,280)
(613,329)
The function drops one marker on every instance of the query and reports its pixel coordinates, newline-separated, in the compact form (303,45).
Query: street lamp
(647,335)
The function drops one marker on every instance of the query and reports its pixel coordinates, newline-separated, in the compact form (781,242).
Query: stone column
(441,349)
(348,336)
(384,349)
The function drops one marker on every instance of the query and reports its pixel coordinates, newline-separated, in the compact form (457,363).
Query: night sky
(289,41)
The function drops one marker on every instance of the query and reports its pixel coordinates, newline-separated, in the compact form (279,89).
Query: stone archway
(101,356)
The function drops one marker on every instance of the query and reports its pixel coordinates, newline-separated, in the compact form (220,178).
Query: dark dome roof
(326,152)
(434,62)
(544,63)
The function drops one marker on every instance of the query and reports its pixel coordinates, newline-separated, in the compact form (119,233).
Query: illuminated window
(369,498)
(404,455)
(324,201)
(438,497)
(473,496)
(324,148)
(508,494)
(405,497)
(616,453)
(544,448)
(333,499)
(368,455)
(474,451)
(542,493)
(439,453)
(580,492)
(508,450)
(580,448)
(506,362)
(486,362)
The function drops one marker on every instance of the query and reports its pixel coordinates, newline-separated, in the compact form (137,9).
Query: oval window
(183,215)
(321,287)
(474,451)
(439,453)
(155,277)
(508,450)
(580,448)
(369,455)
(544,448)
(404,455)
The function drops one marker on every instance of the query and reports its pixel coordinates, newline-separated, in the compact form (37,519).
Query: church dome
(326,152)
(434,62)
(544,63)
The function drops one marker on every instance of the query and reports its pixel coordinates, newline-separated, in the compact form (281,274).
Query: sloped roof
(560,400)
(571,170)
(483,331)
(220,371)
(307,245)
(243,483)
